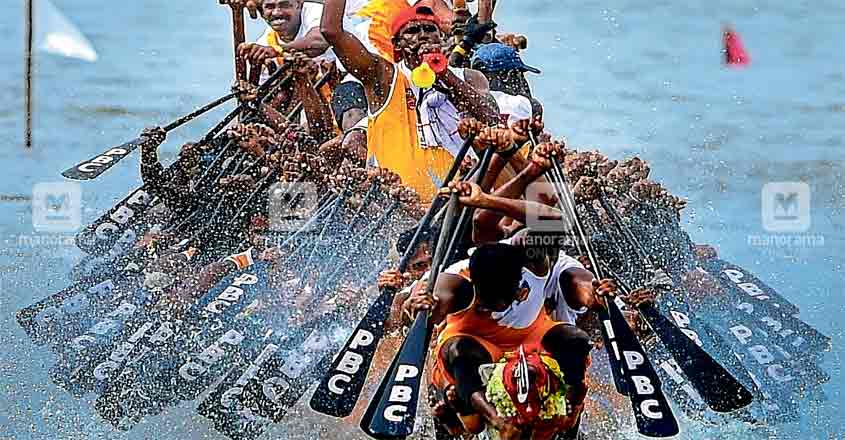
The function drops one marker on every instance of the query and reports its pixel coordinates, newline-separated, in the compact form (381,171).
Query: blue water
(627,77)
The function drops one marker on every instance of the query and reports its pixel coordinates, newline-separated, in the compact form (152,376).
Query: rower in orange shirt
(491,305)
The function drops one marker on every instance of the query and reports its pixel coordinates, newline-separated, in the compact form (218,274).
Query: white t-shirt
(512,108)
(522,314)
(310,18)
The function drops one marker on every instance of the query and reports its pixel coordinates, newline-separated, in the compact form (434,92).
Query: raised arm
(152,171)
(485,228)
(355,57)
(317,111)
(516,187)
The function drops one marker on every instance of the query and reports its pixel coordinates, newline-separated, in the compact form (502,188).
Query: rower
(493,303)
(292,25)
(411,130)
(416,271)
(505,71)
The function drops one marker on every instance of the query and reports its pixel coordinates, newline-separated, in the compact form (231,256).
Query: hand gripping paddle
(340,388)
(99,164)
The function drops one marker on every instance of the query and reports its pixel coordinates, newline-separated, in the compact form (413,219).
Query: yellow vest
(393,142)
(273,41)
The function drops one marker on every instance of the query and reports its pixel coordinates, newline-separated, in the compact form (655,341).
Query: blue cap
(496,57)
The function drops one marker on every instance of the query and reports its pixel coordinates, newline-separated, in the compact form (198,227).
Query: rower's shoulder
(476,79)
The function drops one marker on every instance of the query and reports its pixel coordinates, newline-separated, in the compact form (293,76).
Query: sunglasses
(417,28)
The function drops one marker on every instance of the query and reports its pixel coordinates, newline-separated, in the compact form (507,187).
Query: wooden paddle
(238,37)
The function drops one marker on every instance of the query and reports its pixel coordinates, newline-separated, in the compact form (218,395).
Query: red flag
(735,54)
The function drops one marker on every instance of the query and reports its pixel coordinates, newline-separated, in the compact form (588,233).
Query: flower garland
(554,404)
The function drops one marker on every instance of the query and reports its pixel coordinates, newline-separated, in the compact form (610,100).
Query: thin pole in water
(28,76)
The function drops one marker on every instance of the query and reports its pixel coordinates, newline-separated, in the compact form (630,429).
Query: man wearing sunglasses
(412,131)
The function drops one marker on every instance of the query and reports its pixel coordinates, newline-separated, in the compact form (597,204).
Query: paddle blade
(371,409)
(613,353)
(340,388)
(651,408)
(119,224)
(394,409)
(91,169)
(719,389)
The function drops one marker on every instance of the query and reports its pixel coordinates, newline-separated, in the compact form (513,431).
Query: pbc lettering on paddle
(115,226)
(100,161)
(109,325)
(52,319)
(72,305)
(642,385)
(231,295)
(401,395)
(104,370)
(289,374)
(227,399)
(762,354)
(778,328)
(350,363)
(682,320)
(214,353)
(750,288)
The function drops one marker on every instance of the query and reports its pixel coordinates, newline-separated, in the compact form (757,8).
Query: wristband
(459,50)
(189,254)
(241,260)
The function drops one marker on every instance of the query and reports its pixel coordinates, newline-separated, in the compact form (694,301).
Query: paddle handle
(238,36)
(317,86)
(190,116)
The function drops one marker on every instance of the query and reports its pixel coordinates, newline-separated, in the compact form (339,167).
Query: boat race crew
(326,234)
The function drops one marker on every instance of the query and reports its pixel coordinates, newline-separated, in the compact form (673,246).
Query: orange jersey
(524,322)
(497,338)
